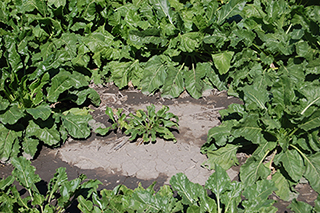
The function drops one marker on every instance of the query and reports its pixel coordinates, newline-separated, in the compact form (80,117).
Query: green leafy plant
(60,195)
(191,197)
(118,121)
(148,124)
(151,124)
(276,125)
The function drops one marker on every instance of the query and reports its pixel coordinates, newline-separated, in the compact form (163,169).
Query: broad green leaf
(299,206)
(68,189)
(59,83)
(282,92)
(292,163)
(30,147)
(163,8)
(4,103)
(142,200)
(224,157)
(84,205)
(312,94)
(257,196)
(9,138)
(59,177)
(155,73)
(41,111)
(255,96)
(123,72)
(186,189)
(222,61)
(12,115)
(312,163)
(193,79)
(189,42)
(317,204)
(249,129)
(283,186)
(57,3)
(6,182)
(253,170)
(174,84)
(77,125)
(218,182)
(84,94)
(311,122)
(48,133)
(207,204)
(232,197)
(232,8)
(25,173)
(215,80)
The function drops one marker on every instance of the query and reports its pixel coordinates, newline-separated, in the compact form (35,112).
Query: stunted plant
(148,124)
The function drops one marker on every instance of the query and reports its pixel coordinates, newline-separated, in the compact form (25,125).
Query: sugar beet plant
(192,197)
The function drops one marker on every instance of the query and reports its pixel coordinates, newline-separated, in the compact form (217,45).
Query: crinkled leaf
(68,189)
(224,157)
(57,3)
(222,61)
(143,200)
(123,72)
(84,205)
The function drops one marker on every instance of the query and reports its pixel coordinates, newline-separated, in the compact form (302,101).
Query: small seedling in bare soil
(149,124)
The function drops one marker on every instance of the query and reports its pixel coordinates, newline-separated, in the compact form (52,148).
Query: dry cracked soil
(97,159)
